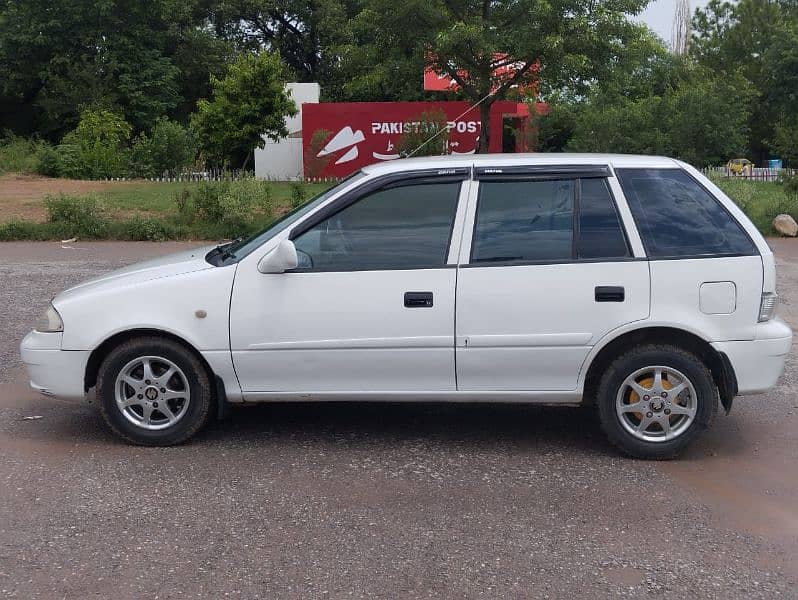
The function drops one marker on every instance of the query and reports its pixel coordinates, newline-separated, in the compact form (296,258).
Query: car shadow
(479,424)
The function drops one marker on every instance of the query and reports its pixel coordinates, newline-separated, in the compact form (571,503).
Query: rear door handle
(418,299)
(610,293)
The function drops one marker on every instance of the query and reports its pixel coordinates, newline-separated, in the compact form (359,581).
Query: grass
(159,197)
(760,200)
(164,211)
(143,210)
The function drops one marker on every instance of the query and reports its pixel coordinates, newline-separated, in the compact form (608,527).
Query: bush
(790,184)
(244,201)
(298,197)
(77,216)
(207,201)
(48,161)
(95,148)
(173,147)
(68,161)
(183,203)
(235,204)
(21,155)
(146,230)
(18,229)
(167,151)
(139,157)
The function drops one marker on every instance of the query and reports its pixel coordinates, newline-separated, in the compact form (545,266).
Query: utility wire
(440,131)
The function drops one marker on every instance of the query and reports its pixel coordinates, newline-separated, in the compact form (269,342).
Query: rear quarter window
(677,217)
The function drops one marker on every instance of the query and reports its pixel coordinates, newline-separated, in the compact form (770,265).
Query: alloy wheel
(152,392)
(656,404)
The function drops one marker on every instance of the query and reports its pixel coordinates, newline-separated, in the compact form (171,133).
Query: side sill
(566,398)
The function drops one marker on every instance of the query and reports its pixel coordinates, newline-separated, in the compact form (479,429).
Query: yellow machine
(739,166)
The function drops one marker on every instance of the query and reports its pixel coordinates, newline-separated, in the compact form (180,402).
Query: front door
(370,307)
(549,273)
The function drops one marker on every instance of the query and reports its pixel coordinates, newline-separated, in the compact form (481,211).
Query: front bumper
(52,371)
(759,363)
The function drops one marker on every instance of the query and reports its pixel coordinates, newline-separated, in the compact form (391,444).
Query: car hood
(165,266)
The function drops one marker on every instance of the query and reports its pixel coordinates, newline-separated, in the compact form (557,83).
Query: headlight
(50,321)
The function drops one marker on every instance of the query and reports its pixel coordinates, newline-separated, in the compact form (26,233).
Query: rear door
(546,271)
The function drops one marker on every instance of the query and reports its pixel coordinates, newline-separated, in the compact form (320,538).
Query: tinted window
(401,227)
(240,249)
(677,217)
(524,220)
(600,231)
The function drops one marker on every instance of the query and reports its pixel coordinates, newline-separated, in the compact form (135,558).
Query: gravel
(358,500)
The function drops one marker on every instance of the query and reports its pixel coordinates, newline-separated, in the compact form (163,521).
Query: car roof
(520,159)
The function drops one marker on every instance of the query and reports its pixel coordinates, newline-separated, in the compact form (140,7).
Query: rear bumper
(52,371)
(759,363)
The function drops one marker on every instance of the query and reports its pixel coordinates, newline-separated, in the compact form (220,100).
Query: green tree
(382,57)
(248,103)
(785,140)
(303,33)
(694,115)
(646,68)
(560,42)
(757,38)
(141,59)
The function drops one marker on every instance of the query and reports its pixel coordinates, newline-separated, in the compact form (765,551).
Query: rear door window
(600,232)
(555,220)
(676,217)
(524,221)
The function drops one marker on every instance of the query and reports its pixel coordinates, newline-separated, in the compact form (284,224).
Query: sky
(659,15)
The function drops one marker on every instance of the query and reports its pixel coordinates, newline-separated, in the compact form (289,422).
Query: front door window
(405,227)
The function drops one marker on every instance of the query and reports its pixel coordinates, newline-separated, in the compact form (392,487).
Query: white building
(283,160)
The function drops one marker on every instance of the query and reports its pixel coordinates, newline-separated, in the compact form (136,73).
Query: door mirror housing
(281,259)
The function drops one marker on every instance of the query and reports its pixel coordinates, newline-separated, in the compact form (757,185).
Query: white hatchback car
(629,282)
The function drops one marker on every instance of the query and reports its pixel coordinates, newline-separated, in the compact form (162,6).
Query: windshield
(238,249)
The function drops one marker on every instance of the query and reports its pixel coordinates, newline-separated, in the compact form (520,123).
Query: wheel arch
(101,351)
(717,362)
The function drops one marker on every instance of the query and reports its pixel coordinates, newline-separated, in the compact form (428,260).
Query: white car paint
(520,333)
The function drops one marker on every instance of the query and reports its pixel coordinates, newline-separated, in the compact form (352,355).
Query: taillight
(767,308)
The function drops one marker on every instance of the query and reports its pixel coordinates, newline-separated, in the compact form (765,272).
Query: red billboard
(363,133)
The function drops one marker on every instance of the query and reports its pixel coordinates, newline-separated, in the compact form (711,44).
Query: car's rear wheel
(655,400)
(153,391)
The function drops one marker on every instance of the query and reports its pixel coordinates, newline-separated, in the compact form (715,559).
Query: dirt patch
(21,195)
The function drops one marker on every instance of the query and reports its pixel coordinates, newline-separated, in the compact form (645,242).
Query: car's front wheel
(153,391)
(655,400)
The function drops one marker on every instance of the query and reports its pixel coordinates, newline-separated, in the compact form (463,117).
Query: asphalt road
(381,501)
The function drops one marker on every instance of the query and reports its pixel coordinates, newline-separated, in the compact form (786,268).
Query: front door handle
(418,299)
(610,293)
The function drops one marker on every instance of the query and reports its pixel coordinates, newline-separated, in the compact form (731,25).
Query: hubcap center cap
(657,405)
(151,393)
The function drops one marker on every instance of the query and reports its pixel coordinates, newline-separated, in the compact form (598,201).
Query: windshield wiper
(222,252)
(224,249)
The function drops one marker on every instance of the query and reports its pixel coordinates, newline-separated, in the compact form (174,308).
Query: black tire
(196,414)
(646,356)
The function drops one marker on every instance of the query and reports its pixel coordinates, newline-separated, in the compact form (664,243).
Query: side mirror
(280,259)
